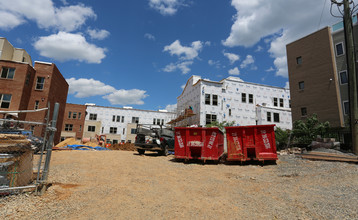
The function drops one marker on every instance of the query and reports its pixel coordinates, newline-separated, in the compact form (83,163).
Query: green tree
(307,131)
(282,137)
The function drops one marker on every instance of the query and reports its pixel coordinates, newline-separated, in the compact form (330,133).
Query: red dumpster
(251,143)
(198,143)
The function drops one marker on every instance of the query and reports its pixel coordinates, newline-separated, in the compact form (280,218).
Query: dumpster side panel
(214,145)
(180,147)
(235,143)
(266,143)
(195,142)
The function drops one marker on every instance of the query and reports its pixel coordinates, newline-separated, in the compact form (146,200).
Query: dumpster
(198,143)
(251,143)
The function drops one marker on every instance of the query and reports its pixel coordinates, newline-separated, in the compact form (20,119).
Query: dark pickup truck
(157,138)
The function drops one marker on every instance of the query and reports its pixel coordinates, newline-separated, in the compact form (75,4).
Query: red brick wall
(77,122)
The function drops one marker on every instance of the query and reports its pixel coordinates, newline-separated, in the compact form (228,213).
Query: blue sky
(141,53)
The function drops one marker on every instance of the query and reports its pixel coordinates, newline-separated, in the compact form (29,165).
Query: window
(37,103)
(339,49)
(301,85)
(289,103)
(304,112)
(118,118)
(122,119)
(281,103)
(207,99)
(346,107)
(299,60)
(268,116)
(210,118)
(40,83)
(276,117)
(80,128)
(343,77)
(243,97)
(7,73)
(74,115)
(5,100)
(113,118)
(124,130)
(113,130)
(102,130)
(91,128)
(215,99)
(229,112)
(79,115)
(251,98)
(115,141)
(275,102)
(154,121)
(68,127)
(27,79)
(69,114)
(135,120)
(162,121)
(223,90)
(93,117)
(133,131)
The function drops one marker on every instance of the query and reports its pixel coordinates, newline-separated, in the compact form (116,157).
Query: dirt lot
(124,185)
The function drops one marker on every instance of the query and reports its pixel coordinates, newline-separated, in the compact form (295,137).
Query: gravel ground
(125,185)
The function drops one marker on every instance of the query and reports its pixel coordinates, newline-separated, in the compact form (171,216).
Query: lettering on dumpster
(236,141)
(265,139)
(212,139)
(195,144)
(180,140)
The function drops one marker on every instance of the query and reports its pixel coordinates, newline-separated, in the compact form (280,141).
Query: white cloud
(126,97)
(149,36)
(183,86)
(82,88)
(214,63)
(270,69)
(260,19)
(259,48)
(232,57)
(182,66)
(66,46)
(183,52)
(287,85)
(98,34)
(248,60)
(166,7)
(45,14)
(207,43)
(171,108)
(234,71)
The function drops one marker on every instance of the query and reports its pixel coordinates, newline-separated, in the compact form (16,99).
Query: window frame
(89,128)
(299,60)
(74,115)
(282,104)
(7,72)
(37,104)
(346,110)
(3,102)
(210,119)
(251,98)
(304,112)
(340,77)
(135,120)
(343,51)
(301,85)
(113,130)
(274,117)
(275,101)
(68,127)
(92,117)
(207,99)
(269,116)
(40,84)
(243,97)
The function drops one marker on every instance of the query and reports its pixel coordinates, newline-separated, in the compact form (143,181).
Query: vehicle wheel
(140,151)
(165,151)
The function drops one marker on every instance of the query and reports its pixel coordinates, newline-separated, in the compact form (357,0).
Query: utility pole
(351,69)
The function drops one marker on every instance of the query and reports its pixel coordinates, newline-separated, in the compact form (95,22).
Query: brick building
(23,87)
(73,122)
(318,75)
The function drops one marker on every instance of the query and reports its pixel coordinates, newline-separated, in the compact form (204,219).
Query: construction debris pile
(16,160)
(126,147)
(73,144)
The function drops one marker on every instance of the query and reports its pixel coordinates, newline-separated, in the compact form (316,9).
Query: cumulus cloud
(259,48)
(232,57)
(182,66)
(184,52)
(166,7)
(44,13)
(97,34)
(66,46)
(126,97)
(234,71)
(149,36)
(82,88)
(261,19)
(171,108)
(270,69)
(287,85)
(248,60)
